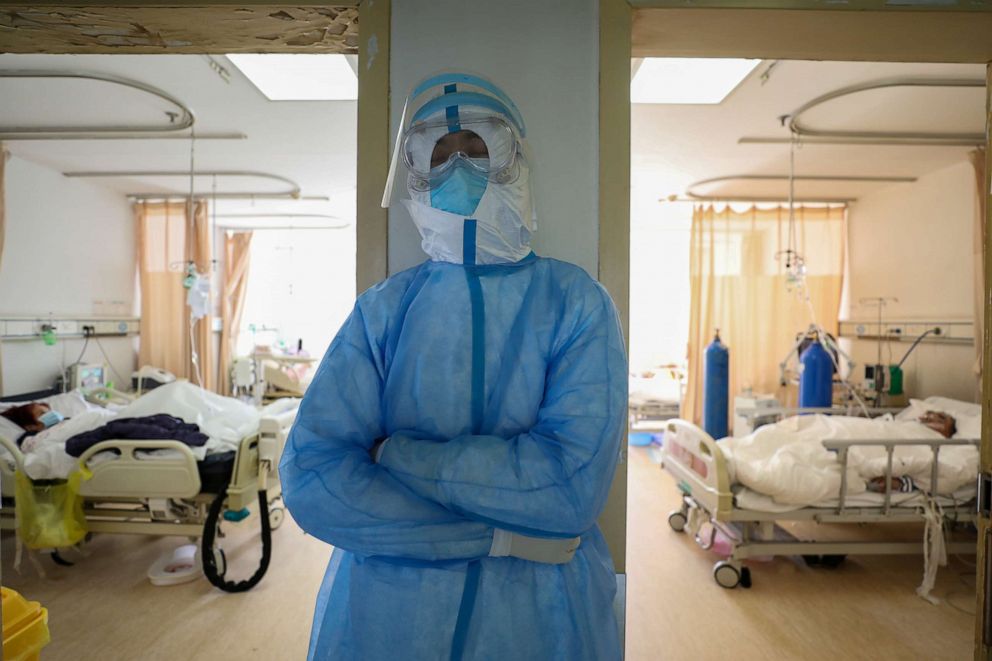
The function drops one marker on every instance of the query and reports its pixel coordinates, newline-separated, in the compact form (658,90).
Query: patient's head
(28,416)
(939,422)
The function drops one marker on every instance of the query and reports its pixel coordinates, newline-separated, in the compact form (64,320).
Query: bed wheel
(677,520)
(276,517)
(745,577)
(726,575)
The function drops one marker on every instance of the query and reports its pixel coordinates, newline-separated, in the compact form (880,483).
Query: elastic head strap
(442,79)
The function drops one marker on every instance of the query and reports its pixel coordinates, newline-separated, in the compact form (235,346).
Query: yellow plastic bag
(50,512)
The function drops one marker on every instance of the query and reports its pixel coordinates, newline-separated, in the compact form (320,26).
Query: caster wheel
(220,561)
(677,520)
(276,516)
(812,560)
(832,561)
(726,575)
(745,577)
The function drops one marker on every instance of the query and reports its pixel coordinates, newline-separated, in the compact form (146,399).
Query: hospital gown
(502,391)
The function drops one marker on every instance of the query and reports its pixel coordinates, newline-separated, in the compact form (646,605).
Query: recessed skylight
(299,77)
(688,79)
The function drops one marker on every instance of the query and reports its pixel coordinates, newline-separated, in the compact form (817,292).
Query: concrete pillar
(546,54)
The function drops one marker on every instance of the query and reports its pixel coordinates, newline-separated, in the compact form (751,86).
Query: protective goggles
(487,145)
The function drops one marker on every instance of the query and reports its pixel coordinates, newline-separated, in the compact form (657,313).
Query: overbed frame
(700,468)
(162,496)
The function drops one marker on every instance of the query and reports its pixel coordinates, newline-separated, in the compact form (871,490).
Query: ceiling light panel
(299,77)
(688,80)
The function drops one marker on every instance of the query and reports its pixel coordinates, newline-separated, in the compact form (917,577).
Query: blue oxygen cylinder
(716,388)
(817,377)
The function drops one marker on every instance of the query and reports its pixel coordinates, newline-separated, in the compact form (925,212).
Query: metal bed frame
(700,468)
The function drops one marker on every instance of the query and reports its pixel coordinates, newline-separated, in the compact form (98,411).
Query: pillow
(68,404)
(954,407)
(967,415)
(9,430)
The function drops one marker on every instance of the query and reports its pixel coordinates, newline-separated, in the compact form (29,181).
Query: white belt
(535,549)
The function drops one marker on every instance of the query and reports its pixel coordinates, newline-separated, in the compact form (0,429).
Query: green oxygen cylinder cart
(895,380)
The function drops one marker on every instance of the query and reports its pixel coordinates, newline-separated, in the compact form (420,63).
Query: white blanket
(788,462)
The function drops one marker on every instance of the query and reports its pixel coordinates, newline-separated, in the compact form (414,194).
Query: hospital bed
(139,493)
(750,522)
(652,401)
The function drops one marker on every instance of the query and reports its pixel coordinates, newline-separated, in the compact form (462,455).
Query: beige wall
(69,251)
(913,242)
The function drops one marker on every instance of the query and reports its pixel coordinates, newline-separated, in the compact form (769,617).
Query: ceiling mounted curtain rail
(181,197)
(808,134)
(182,119)
(292,193)
(692,195)
(871,142)
(241,227)
(11,137)
(745,199)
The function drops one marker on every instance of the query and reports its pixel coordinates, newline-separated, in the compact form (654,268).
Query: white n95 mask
(503,224)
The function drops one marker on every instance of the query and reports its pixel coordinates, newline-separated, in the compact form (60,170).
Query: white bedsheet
(787,462)
(748,499)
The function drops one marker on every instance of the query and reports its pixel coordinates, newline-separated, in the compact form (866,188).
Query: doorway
(791,36)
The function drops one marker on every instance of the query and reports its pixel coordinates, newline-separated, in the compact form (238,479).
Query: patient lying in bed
(224,420)
(787,462)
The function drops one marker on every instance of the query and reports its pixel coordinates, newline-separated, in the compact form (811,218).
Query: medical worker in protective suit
(460,436)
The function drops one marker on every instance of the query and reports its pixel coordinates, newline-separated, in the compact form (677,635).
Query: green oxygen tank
(895,380)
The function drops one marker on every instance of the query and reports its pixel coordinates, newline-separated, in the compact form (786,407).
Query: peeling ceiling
(132,30)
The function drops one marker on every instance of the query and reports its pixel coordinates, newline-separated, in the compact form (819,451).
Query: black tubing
(207,549)
(59,560)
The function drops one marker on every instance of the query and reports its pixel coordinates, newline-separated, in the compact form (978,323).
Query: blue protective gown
(502,390)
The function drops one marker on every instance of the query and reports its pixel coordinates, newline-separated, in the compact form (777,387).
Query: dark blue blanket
(152,427)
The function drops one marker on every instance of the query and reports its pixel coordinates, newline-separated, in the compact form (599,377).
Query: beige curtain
(978,247)
(165,244)
(237,255)
(739,286)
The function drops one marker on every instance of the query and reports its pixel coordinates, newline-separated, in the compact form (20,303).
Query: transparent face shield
(454,120)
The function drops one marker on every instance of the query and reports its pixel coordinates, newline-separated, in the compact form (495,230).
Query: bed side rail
(279,415)
(6,474)
(843,446)
(781,412)
(698,463)
(257,465)
(102,396)
(131,476)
